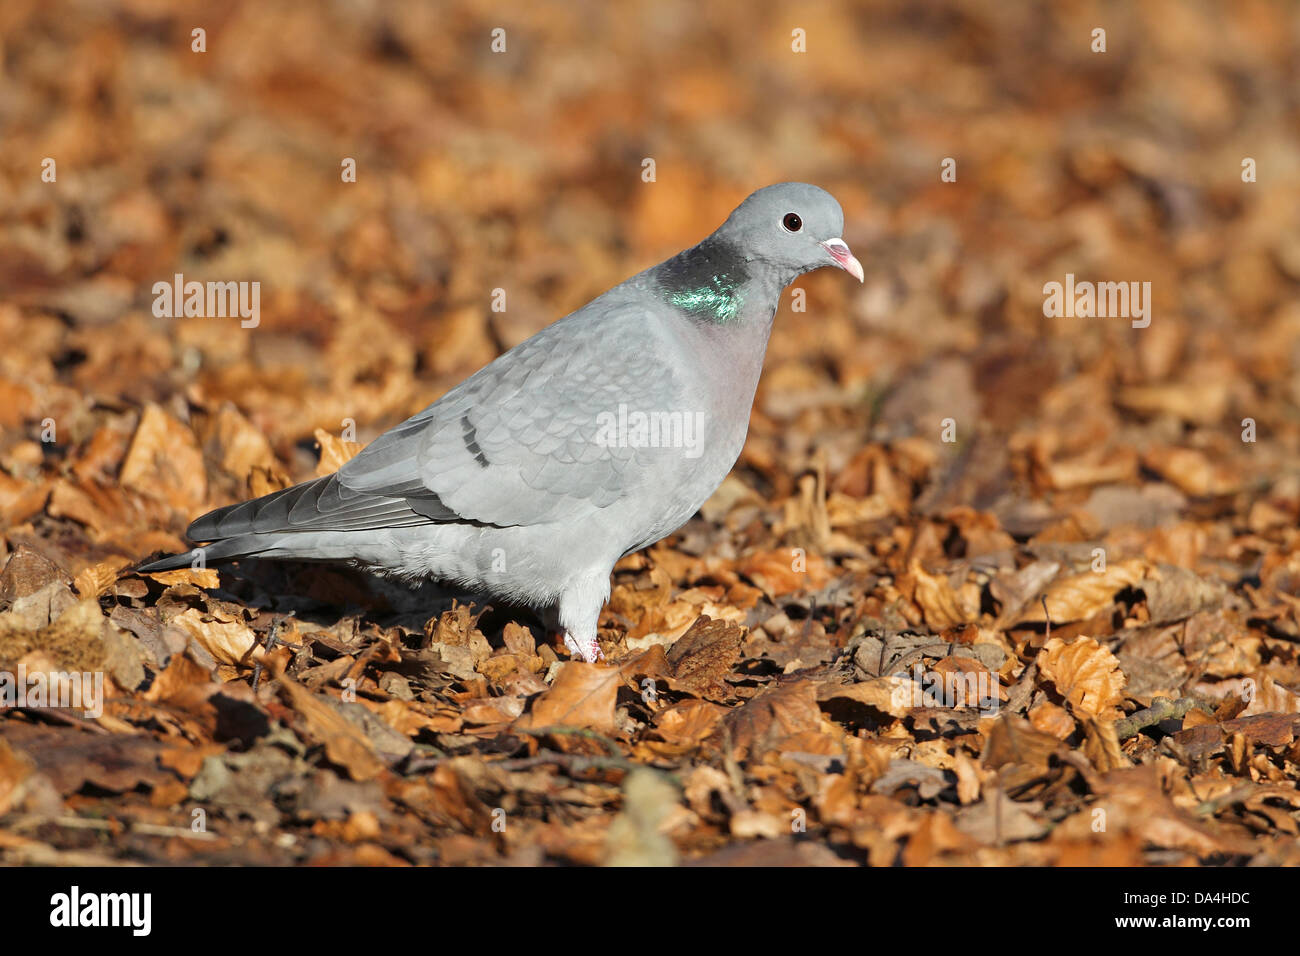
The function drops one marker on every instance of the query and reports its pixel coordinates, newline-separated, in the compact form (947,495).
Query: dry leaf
(942,606)
(164,460)
(1082,596)
(228,641)
(345,744)
(582,696)
(1086,674)
(334,452)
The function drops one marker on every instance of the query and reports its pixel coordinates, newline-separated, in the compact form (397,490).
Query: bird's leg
(589,650)
(578,613)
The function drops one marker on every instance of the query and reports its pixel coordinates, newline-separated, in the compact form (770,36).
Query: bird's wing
(318,505)
(525,439)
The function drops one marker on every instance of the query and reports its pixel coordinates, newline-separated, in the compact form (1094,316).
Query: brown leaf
(942,606)
(785,571)
(1020,753)
(187,760)
(1174,594)
(688,724)
(662,624)
(228,639)
(1101,746)
(1086,674)
(582,696)
(97,578)
(26,572)
(999,819)
(703,656)
(345,744)
(1082,596)
(334,452)
(1271,697)
(1051,719)
(492,710)
(164,461)
(238,446)
(772,718)
(199,577)
(14,771)
(889,696)
(72,758)
(1015,590)
(458,628)
(1191,471)
(1269,730)
(519,640)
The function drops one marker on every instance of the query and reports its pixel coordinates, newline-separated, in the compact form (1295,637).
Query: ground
(994,580)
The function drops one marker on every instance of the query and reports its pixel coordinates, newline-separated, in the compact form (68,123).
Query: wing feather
(520,442)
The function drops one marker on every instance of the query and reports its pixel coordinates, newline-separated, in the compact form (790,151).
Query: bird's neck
(713,284)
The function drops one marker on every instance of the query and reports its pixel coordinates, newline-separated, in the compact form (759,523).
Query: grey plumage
(526,481)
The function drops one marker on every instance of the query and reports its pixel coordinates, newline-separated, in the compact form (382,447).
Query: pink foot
(589,651)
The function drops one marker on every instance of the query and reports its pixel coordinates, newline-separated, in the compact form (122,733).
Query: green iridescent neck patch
(718,301)
(706,282)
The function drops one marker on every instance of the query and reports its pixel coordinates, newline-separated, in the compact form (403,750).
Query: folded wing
(527,439)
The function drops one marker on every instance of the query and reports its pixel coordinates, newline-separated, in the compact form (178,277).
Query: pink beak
(846,260)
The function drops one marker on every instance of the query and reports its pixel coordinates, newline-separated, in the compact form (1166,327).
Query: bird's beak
(839,250)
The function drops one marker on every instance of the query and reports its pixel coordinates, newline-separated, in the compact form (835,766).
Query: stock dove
(598,436)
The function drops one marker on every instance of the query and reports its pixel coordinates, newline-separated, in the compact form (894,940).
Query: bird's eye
(792,222)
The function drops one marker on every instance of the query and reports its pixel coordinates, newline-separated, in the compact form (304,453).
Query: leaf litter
(1100,551)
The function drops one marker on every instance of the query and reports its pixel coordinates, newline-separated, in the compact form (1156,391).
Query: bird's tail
(289,524)
(230,549)
(241,530)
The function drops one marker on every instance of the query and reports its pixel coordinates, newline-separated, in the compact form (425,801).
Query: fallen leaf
(164,460)
(582,696)
(1086,674)
(334,452)
(229,641)
(345,744)
(1082,596)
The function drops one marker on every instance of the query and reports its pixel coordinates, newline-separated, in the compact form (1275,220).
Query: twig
(272,639)
(95,823)
(1209,808)
(1162,708)
(611,746)
(64,715)
(570,763)
(573,763)
(153,829)
(419,765)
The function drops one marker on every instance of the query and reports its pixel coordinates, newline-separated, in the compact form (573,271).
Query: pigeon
(600,435)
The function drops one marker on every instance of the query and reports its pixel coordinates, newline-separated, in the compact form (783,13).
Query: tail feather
(262,524)
(172,562)
(323,504)
(245,546)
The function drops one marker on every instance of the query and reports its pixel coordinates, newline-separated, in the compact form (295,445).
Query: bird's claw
(588,651)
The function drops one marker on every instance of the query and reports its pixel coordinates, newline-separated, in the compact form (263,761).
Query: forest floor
(986,586)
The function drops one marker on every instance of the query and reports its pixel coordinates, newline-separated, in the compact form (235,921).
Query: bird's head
(793,226)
